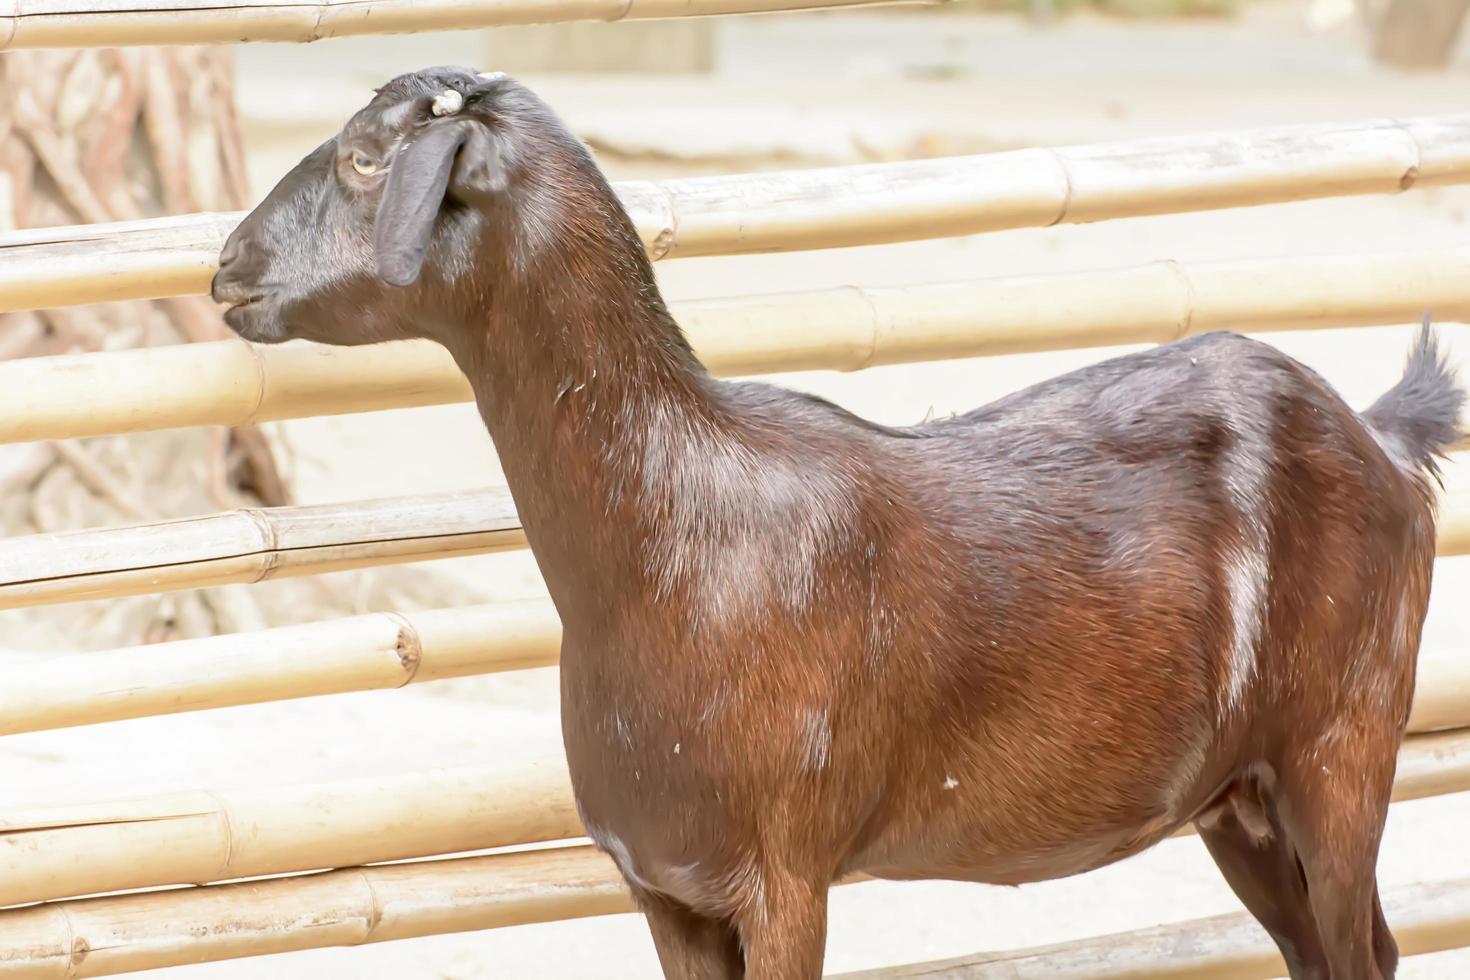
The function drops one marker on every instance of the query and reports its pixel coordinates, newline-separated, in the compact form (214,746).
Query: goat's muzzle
(237,286)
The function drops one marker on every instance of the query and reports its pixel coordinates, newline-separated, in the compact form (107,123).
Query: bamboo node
(269,543)
(375,907)
(315,34)
(78,947)
(1186,318)
(408,646)
(668,236)
(1066,172)
(875,331)
(262,382)
(661,244)
(1411,174)
(227,826)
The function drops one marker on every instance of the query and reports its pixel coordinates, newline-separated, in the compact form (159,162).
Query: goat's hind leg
(1259,864)
(1334,800)
(691,946)
(1385,947)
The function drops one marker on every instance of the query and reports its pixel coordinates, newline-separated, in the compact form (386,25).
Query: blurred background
(107,135)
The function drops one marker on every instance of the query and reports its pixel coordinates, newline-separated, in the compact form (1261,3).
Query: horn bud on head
(447,103)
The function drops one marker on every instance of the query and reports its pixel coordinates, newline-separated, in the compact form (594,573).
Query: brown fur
(1185,585)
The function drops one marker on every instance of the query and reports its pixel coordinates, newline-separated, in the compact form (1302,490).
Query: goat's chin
(257,322)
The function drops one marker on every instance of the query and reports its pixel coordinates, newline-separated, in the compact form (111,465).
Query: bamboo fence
(279,542)
(383,650)
(112,23)
(215,835)
(387,650)
(252,546)
(848,328)
(349,907)
(119,934)
(52,854)
(1425,918)
(205,836)
(833,207)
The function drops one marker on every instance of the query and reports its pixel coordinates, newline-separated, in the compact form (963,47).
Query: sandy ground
(798,91)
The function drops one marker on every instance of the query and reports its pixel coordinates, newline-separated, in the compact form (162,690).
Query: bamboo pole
(1442,691)
(360,653)
(1424,917)
(143,259)
(252,546)
(1432,765)
(100,23)
(233,383)
(118,934)
(867,204)
(216,835)
(195,838)
(387,650)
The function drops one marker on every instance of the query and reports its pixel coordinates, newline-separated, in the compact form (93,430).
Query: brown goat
(1183,585)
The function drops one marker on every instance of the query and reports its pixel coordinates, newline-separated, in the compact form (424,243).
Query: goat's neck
(575,387)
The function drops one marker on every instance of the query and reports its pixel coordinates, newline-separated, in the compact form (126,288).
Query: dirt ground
(795,91)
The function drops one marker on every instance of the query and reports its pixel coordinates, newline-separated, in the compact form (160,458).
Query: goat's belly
(1013,857)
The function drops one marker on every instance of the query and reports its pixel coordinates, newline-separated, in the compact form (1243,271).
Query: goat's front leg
(691,946)
(784,933)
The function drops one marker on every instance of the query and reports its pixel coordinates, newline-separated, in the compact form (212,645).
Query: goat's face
(337,251)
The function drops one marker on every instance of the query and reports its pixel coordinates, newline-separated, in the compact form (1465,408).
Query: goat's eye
(366,166)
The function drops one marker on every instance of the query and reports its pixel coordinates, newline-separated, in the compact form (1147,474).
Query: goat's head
(388,229)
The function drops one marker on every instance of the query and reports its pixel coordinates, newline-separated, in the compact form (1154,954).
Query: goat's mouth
(252,319)
(245,303)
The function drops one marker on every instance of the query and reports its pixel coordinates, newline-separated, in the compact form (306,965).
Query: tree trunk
(109,135)
(113,135)
(1418,33)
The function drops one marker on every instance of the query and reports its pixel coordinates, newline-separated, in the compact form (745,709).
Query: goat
(1184,585)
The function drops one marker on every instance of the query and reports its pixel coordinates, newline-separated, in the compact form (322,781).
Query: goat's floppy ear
(417,181)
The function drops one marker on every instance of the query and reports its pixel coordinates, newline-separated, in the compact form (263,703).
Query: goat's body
(1105,599)
(1185,585)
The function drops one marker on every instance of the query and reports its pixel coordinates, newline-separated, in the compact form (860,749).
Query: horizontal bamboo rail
(119,934)
(361,653)
(124,933)
(280,542)
(195,838)
(1442,691)
(387,650)
(849,328)
(1425,918)
(215,835)
(108,23)
(252,546)
(833,207)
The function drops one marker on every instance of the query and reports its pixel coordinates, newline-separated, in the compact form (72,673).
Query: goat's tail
(1421,414)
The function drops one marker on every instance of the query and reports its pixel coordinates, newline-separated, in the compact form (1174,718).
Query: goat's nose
(230,252)
(226,286)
